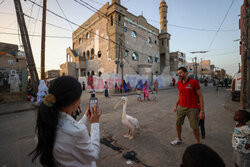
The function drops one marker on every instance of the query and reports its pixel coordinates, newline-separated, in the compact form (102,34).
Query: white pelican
(130,122)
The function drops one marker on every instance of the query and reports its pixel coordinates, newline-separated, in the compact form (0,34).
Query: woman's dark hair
(66,90)
(198,155)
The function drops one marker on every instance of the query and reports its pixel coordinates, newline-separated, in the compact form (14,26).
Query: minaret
(116,1)
(164,38)
(163,9)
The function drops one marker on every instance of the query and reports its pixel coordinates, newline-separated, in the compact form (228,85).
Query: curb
(17,111)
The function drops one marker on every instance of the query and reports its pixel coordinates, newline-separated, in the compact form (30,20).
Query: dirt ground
(157,122)
(152,144)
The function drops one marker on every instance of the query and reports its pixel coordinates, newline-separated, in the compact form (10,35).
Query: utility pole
(43,40)
(247,47)
(201,69)
(26,44)
(245,59)
(195,63)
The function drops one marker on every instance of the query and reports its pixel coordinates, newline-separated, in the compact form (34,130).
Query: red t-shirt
(188,96)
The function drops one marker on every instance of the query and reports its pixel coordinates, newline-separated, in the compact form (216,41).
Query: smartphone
(93,102)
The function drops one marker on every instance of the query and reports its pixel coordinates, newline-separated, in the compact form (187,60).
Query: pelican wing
(133,121)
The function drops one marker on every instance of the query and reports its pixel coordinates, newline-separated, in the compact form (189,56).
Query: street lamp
(194,52)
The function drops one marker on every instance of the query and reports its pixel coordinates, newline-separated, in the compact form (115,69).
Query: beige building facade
(204,69)
(114,41)
(177,59)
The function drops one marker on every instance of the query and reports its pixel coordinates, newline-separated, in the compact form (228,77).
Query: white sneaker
(176,142)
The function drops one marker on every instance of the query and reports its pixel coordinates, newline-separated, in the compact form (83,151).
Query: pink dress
(145,90)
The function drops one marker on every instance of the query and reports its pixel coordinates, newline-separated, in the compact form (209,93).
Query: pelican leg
(132,134)
(127,134)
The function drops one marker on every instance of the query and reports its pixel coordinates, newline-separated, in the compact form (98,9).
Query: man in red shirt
(189,96)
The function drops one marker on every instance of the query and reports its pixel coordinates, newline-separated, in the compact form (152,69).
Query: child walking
(241,139)
(138,91)
(145,90)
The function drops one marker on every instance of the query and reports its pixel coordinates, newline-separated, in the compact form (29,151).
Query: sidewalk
(15,107)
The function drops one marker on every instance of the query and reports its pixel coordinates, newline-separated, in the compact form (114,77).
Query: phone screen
(93,102)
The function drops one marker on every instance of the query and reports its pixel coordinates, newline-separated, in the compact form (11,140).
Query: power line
(191,28)
(221,25)
(30,15)
(123,47)
(96,2)
(2,2)
(36,35)
(48,23)
(64,15)
(36,21)
(236,51)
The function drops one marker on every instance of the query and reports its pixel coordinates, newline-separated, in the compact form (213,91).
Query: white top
(241,136)
(74,146)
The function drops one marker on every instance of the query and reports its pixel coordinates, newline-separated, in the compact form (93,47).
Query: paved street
(152,145)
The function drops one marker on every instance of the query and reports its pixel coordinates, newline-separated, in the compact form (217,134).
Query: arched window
(77,52)
(150,59)
(125,27)
(111,20)
(84,56)
(99,54)
(133,34)
(119,18)
(99,73)
(135,56)
(149,40)
(88,55)
(87,35)
(126,53)
(92,54)
(92,73)
(80,40)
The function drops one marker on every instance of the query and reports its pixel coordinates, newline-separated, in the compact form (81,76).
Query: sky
(190,14)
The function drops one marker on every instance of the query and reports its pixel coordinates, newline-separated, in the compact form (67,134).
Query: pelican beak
(117,104)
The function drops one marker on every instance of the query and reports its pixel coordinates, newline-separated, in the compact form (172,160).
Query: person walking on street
(83,86)
(42,92)
(138,91)
(189,96)
(106,91)
(145,90)
(173,80)
(156,85)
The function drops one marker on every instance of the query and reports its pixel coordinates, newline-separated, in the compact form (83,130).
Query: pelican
(128,121)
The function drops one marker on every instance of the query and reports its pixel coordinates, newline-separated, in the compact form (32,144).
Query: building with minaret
(115,41)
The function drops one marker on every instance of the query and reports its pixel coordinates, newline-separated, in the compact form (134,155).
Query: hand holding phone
(95,114)
(93,103)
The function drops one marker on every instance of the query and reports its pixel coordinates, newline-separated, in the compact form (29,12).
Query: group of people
(217,82)
(144,88)
(63,141)
(124,86)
